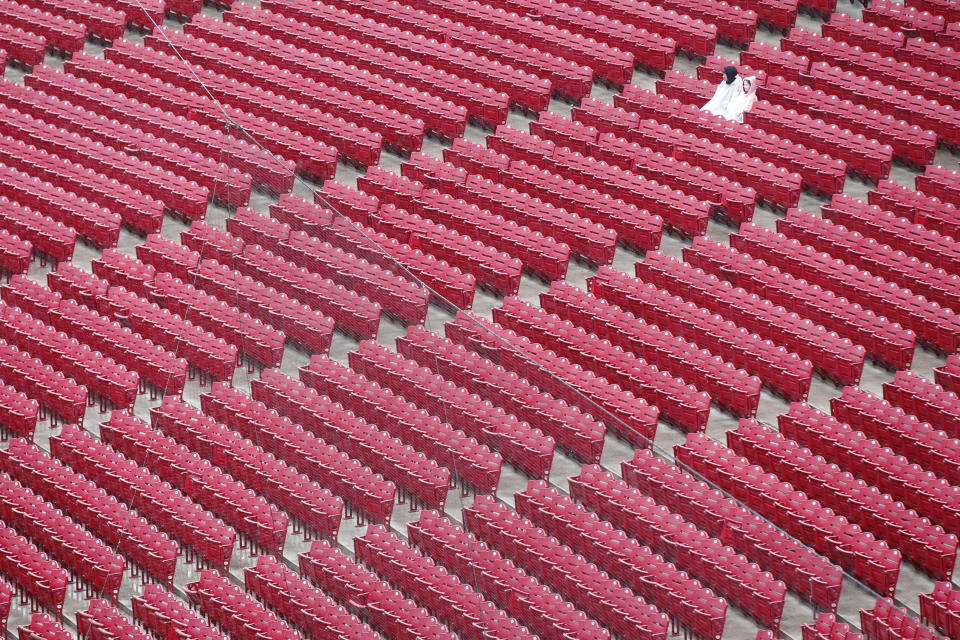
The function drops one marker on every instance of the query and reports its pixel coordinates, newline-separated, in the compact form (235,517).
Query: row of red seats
(680,403)
(18,413)
(101,374)
(356,144)
(879,94)
(602,131)
(62,34)
(206,535)
(928,546)
(600,596)
(826,627)
(910,143)
(452,286)
(948,375)
(495,270)
(103,620)
(835,357)
(483,104)
(771,183)
(166,155)
(364,491)
(120,526)
(925,399)
(933,324)
(443,593)
(804,571)
(474,463)
(226,146)
(252,337)
(23,47)
(538,252)
(902,432)
(207,168)
(399,130)
(166,616)
(694,37)
(871,462)
(517,592)
(50,238)
(239,613)
(420,477)
(943,8)
(180,195)
(307,607)
(628,416)
(570,79)
(733,23)
(579,434)
(734,389)
(866,34)
(399,297)
(884,341)
(15,254)
(37,576)
(312,157)
(777,15)
(940,182)
(253,518)
(529,449)
(683,212)
(941,59)
(607,62)
(900,233)
(950,37)
(562,76)
(160,370)
(442,117)
(94,223)
(690,605)
(591,241)
(42,627)
(740,581)
(62,396)
(793,511)
(922,278)
(782,371)
(736,202)
(634,226)
(941,609)
(770,60)
(897,16)
(365,594)
(101,21)
(888,621)
(110,197)
(354,314)
(862,154)
(917,207)
(874,66)
(315,509)
(204,351)
(299,322)
(818,172)
(143,15)
(528,91)
(91,562)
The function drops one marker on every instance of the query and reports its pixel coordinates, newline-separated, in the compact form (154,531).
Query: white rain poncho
(743,101)
(726,92)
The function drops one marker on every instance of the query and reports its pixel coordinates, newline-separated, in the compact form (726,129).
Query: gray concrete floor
(738,626)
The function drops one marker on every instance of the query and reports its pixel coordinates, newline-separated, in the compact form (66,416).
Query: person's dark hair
(730,73)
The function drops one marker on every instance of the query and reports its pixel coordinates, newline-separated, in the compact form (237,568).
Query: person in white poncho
(730,87)
(743,101)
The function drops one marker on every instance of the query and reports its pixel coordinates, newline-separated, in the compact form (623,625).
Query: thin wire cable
(496,336)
